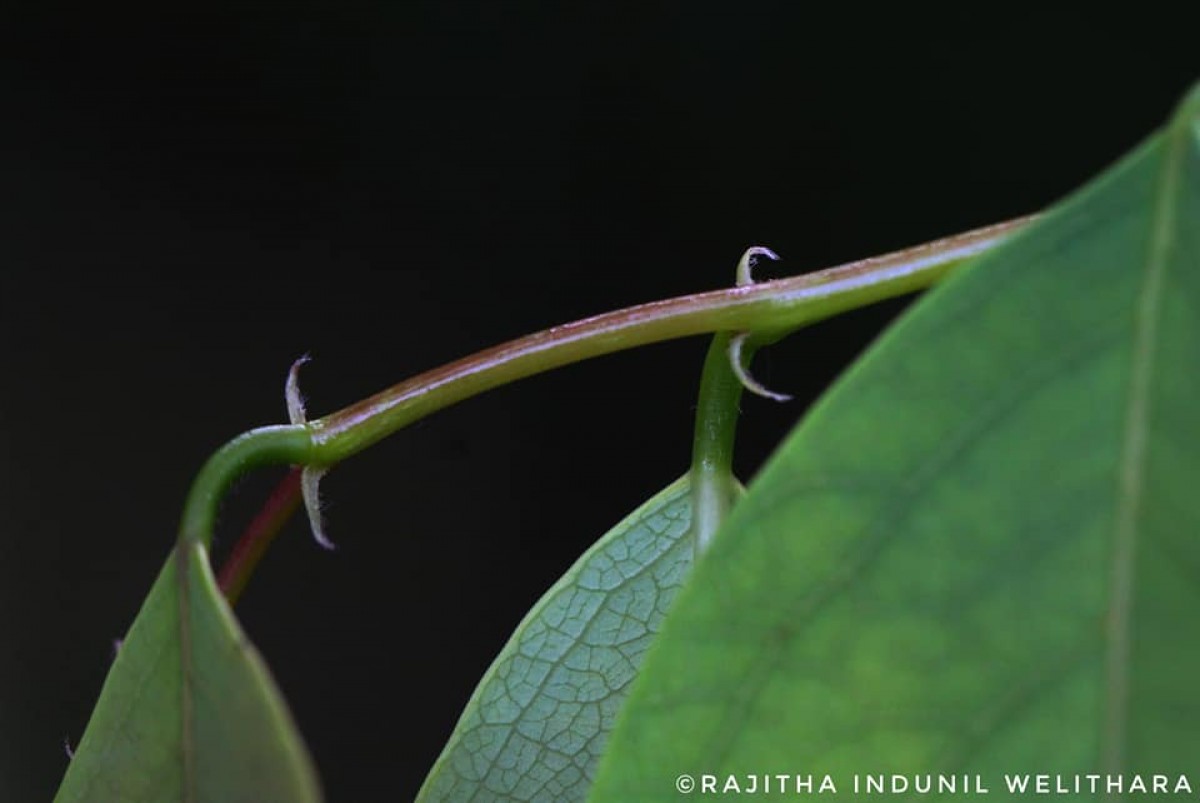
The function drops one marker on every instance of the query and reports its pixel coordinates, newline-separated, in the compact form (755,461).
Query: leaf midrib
(187,742)
(1132,466)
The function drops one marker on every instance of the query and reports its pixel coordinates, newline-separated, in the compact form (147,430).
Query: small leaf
(537,722)
(978,554)
(189,712)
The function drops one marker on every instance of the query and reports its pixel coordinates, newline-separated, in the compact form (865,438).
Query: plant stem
(266,446)
(781,305)
(771,308)
(258,535)
(711,474)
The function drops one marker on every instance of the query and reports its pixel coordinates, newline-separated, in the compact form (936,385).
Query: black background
(195,196)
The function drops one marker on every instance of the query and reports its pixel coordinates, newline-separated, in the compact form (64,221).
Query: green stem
(780,305)
(711,474)
(278,445)
(775,307)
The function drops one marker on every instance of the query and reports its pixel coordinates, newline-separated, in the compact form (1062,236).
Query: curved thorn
(310,480)
(310,476)
(291,392)
(748,260)
(742,371)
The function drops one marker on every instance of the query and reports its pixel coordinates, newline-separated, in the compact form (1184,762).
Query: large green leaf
(536,724)
(980,553)
(189,711)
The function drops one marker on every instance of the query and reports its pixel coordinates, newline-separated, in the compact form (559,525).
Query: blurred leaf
(980,552)
(535,726)
(188,711)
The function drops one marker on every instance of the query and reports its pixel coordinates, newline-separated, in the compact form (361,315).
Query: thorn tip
(749,259)
(310,481)
(291,392)
(742,371)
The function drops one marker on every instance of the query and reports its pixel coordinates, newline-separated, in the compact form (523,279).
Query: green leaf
(536,724)
(188,711)
(980,552)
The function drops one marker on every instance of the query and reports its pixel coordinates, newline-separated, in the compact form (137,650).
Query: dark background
(194,197)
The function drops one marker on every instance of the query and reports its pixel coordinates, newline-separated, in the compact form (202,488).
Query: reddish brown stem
(258,535)
(768,309)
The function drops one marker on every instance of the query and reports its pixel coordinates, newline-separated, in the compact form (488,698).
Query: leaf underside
(189,711)
(979,553)
(536,724)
